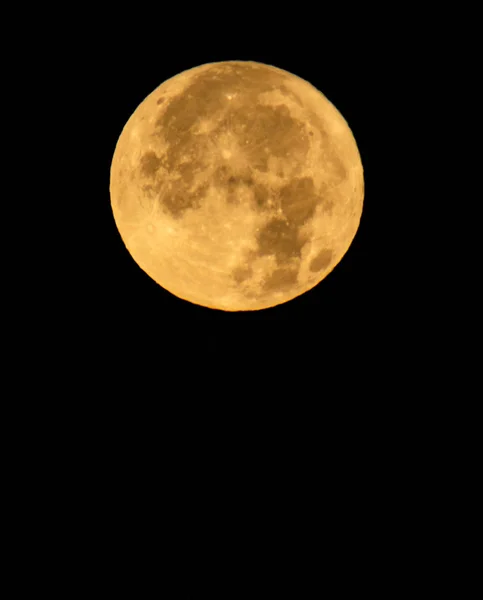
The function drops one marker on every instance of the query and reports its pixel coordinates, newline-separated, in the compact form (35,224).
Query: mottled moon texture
(237,186)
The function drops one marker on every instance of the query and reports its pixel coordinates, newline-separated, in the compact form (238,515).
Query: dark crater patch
(261,197)
(187,172)
(291,95)
(221,175)
(299,200)
(190,148)
(150,164)
(241,274)
(234,181)
(281,239)
(280,279)
(160,101)
(205,97)
(178,200)
(229,181)
(267,131)
(321,261)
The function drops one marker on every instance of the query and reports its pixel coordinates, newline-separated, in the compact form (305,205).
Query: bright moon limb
(237,186)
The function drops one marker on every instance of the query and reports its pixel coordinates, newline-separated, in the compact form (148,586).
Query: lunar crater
(321,261)
(280,279)
(150,164)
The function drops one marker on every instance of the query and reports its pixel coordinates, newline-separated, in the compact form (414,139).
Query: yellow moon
(237,186)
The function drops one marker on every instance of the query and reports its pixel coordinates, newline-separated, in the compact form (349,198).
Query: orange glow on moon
(237,186)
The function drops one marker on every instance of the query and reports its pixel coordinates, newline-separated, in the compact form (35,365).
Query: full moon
(237,186)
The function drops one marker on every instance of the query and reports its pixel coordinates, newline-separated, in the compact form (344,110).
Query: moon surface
(237,186)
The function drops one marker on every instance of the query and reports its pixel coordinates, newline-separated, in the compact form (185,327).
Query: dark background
(322,411)
(319,399)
